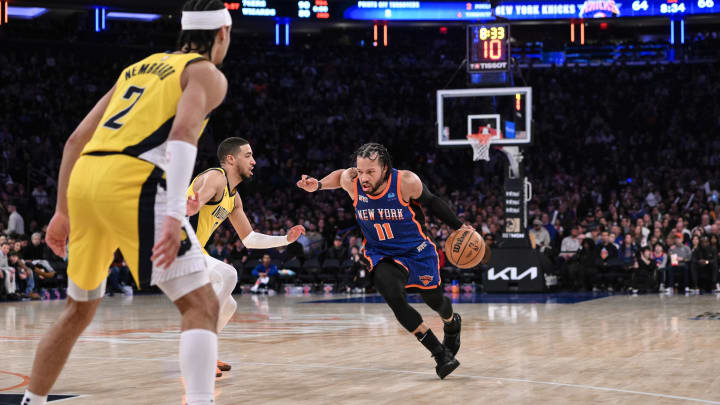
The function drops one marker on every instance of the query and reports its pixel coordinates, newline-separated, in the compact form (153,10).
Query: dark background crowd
(624,163)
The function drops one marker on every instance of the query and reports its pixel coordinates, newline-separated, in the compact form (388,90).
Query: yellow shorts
(117,201)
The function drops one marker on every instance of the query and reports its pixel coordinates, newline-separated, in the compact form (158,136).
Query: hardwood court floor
(612,350)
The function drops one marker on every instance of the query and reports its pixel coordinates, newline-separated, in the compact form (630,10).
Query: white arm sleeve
(180,164)
(260,241)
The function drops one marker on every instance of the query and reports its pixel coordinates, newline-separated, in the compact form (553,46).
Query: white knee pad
(222,276)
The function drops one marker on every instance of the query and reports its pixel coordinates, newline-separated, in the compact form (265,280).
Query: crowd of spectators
(623,168)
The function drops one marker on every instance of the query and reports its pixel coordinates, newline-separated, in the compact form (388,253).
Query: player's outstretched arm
(254,240)
(412,188)
(204,88)
(329,182)
(208,186)
(59,227)
(341,178)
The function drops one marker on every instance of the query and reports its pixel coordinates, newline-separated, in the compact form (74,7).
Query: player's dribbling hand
(193,205)
(295,232)
(308,184)
(57,233)
(166,249)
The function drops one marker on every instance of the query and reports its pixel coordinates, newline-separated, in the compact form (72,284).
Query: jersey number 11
(384,231)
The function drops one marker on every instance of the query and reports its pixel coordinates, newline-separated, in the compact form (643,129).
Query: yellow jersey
(139,116)
(213,213)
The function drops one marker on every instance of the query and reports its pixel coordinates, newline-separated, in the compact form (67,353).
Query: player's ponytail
(200,41)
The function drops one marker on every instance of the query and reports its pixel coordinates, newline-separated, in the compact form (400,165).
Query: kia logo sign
(510,273)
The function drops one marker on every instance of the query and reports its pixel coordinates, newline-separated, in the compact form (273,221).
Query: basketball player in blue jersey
(388,207)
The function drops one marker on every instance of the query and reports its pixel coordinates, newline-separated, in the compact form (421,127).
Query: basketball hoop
(480,143)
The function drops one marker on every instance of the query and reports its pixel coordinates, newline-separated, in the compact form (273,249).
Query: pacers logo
(426,279)
(220,213)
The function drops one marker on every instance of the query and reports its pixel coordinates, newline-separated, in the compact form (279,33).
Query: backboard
(506,110)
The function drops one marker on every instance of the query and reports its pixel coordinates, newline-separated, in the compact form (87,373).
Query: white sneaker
(717,287)
(635,291)
(662,287)
(688,290)
(669,291)
(696,291)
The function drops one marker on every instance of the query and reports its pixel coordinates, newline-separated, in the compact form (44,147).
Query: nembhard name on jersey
(383,214)
(161,70)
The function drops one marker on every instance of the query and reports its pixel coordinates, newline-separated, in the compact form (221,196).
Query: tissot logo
(511,273)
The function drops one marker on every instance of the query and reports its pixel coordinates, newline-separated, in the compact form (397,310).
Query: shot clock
(487,48)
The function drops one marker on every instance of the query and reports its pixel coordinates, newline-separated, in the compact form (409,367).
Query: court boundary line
(25,380)
(480,377)
(385,370)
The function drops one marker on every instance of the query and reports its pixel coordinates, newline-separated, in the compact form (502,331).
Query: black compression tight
(436,300)
(390,282)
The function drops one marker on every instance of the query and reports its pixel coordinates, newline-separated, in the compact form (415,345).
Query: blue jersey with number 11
(391,227)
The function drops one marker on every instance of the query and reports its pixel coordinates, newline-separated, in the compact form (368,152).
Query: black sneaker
(451,340)
(446,362)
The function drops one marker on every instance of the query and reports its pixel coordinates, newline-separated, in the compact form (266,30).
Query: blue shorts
(423,267)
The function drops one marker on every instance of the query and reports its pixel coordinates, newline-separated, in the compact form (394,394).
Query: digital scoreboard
(477,11)
(319,9)
(470,11)
(488,48)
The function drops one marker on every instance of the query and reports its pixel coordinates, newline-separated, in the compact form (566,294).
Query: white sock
(226,312)
(31,399)
(198,359)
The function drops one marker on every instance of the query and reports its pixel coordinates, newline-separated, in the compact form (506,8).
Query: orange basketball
(466,249)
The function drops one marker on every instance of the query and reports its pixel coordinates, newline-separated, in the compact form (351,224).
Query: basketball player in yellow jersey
(212,199)
(122,184)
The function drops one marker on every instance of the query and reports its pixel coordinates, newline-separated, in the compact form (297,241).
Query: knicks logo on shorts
(426,279)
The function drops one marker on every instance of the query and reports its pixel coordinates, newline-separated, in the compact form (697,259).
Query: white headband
(205,20)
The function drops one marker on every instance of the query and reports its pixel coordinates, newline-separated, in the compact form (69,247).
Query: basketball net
(480,143)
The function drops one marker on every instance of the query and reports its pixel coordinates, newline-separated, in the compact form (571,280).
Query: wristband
(180,163)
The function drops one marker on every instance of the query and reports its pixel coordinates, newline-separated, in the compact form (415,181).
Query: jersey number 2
(113,123)
(384,231)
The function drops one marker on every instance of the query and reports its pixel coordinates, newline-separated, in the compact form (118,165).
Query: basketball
(466,249)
